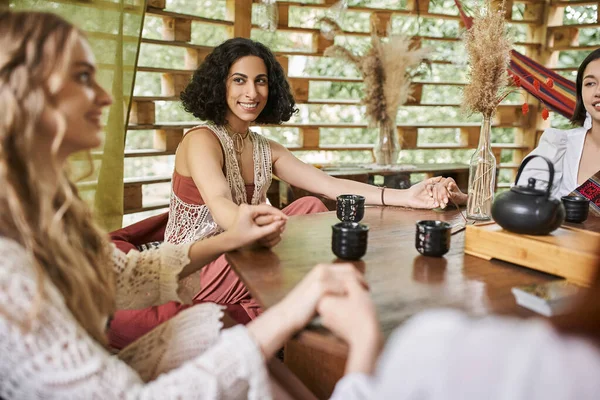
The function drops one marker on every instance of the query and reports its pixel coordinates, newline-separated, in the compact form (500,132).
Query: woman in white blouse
(445,355)
(60,279)
(575,153)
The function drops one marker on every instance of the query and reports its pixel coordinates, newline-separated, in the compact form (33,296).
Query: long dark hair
(579,114)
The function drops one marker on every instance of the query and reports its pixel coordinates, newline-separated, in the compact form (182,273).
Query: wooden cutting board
(568,252)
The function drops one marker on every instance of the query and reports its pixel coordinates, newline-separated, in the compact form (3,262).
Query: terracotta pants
(220,284)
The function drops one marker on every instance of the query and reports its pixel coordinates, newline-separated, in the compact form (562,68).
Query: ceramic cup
(350,207)
(432,238)
(349,240)
(577,208)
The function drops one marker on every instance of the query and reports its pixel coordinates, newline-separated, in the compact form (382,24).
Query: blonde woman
(60,279)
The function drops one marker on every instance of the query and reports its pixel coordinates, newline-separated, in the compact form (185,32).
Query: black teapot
(527,210)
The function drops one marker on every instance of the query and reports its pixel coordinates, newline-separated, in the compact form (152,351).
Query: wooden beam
(417,93)
(142,112)
(157,3)
(320,43)
(132,196)
(283,14)
(284,61)
(310,137)
(178,29)
(167,139)
(240,12)
(173,84)
(300,88)
(469,136)
(194,57)
(408,137)
(418,5)
(563,37)
(380,21)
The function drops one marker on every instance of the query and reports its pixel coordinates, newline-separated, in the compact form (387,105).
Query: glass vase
(482,176)
(387,147)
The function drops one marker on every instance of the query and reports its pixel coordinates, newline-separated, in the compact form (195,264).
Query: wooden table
(402,281)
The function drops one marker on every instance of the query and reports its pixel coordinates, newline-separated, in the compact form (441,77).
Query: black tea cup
(577,208)
(433,238)
(350,207)
(349,240)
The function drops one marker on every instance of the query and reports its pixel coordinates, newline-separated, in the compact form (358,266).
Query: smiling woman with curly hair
(205,96)
(222,164)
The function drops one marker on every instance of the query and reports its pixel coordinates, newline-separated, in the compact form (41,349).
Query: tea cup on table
(577,208)
(349,240)
(432,238)
(350,207)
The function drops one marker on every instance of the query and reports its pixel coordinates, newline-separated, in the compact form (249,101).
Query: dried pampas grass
(488,49)
(387,70)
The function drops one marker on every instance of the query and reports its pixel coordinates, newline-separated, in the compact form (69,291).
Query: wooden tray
(567,252)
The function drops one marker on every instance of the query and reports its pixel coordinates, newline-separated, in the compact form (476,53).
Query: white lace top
(192,222)
(187,357)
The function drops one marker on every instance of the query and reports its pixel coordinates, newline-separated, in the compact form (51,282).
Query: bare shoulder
(277,149)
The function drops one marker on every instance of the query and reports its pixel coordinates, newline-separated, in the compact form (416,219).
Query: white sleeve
(150,277)
(553,146)
(355,386)
(56,359)
(445,355)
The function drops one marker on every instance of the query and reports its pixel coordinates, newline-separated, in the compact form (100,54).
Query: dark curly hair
(205,96)
(579,113)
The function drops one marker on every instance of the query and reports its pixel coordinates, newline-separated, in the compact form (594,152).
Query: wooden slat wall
(547,36)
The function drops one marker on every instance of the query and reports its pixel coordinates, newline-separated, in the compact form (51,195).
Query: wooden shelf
(163,13)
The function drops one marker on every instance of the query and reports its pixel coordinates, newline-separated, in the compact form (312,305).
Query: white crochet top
(192,222)
(188,357)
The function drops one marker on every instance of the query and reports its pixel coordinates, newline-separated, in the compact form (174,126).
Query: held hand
(436,192)
(246,230)
(447,190)
(323,280)
(421,195)
(352,317)
(274,238)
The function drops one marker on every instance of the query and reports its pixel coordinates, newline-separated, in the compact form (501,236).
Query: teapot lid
(529,190)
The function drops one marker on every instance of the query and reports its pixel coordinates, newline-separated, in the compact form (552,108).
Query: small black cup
(349,240)
(350,207)
(433,238)
(577,208)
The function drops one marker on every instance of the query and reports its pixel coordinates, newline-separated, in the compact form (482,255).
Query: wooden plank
(132,196)
(320,43)
(408,137)
(177,29)
(167,139)
(240,12)
(421,6)
(142,112)
(300,88)
(194,57)
(469,136)
(381,20)
(173,84)
(283,14)
(156,3)
(148,207)
(566,252)
(310,137)
(163,13)
(564,36)
(417,94)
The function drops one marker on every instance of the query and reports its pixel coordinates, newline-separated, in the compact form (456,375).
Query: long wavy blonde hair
(48,219)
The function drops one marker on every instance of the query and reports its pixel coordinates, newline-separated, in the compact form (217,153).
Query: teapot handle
(550,170)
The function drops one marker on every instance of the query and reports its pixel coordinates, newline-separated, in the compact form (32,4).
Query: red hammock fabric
(559,98)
